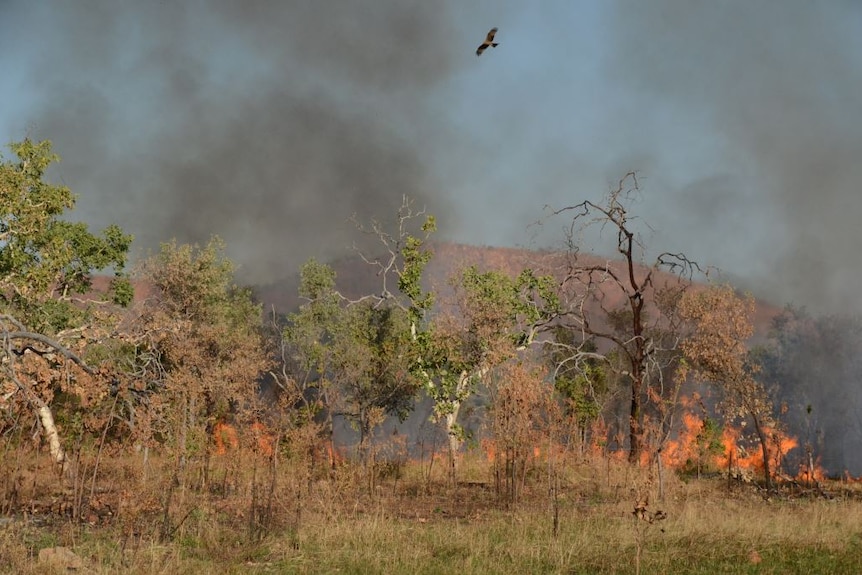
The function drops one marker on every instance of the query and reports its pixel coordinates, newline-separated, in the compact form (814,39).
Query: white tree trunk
(454,436)
(46,417)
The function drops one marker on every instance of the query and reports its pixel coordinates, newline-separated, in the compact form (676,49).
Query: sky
(269,123)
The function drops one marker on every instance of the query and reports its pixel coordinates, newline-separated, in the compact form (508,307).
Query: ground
(409,520)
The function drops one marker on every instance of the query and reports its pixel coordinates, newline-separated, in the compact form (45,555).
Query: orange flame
(225,437)
(334,455)
(685,448)
(815,474)
(490,449)
(679,451)
(850,479)
(752,459)
(265,441)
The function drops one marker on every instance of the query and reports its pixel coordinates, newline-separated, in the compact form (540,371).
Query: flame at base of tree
(533,453)
(225,437)
(334,455)
(814,474)
(745,459)
(701,446)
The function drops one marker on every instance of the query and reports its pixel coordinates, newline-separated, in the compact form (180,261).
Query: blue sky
(268,123)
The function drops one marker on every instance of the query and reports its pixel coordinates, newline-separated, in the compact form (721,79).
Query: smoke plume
(777,84)
(268,123)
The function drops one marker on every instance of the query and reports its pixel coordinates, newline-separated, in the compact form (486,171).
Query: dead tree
(612,300)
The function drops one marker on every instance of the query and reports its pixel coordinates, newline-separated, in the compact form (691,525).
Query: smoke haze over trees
(270,124)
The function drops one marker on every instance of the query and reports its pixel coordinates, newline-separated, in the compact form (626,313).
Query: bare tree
(624,303)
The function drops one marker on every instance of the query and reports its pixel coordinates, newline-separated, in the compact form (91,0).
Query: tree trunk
(635,433)
(635,415)
(660,469)
(46,418)
(364,438)
(638,363)
(764,448)
(55,446)
(453,437)
(184,430)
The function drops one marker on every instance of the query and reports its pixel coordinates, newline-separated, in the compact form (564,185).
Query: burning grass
(411,520)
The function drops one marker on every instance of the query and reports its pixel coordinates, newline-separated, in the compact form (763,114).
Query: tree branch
(64,351)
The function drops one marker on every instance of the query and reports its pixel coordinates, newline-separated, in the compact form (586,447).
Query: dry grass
(408,524)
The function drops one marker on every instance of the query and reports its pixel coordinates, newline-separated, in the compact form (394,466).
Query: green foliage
(191,280)
(503,314)
(356,356)
(317,281)
(373,354)
(416,257)
(513,306)
(43,256)
(308,330)
(709,437)
(707,445)
(121,290)
(579,391)
(582,382)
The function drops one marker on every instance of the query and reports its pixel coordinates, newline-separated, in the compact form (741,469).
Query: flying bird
(489,41)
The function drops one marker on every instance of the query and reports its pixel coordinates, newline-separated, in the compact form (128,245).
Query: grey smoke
(268,123)
(778,85)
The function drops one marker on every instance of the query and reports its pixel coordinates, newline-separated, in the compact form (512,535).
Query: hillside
(356,278)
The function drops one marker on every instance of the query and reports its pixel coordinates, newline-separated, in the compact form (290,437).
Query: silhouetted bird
(489,41)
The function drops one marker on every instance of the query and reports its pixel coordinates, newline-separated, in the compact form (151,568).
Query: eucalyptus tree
(346,358)
(493,315)
(717,352)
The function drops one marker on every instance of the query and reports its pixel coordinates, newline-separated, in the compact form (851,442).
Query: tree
(354,357)
(200,345)
(521,417)
(49,309)
(717,352)
(373,354)
(582,380)
(307,350)
(494,317)
(624,304)
(45,260)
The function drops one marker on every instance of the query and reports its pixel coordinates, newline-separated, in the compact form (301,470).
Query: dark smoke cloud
(266,122)
(778,85)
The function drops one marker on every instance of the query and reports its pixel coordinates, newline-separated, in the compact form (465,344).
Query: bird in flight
(489,41)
